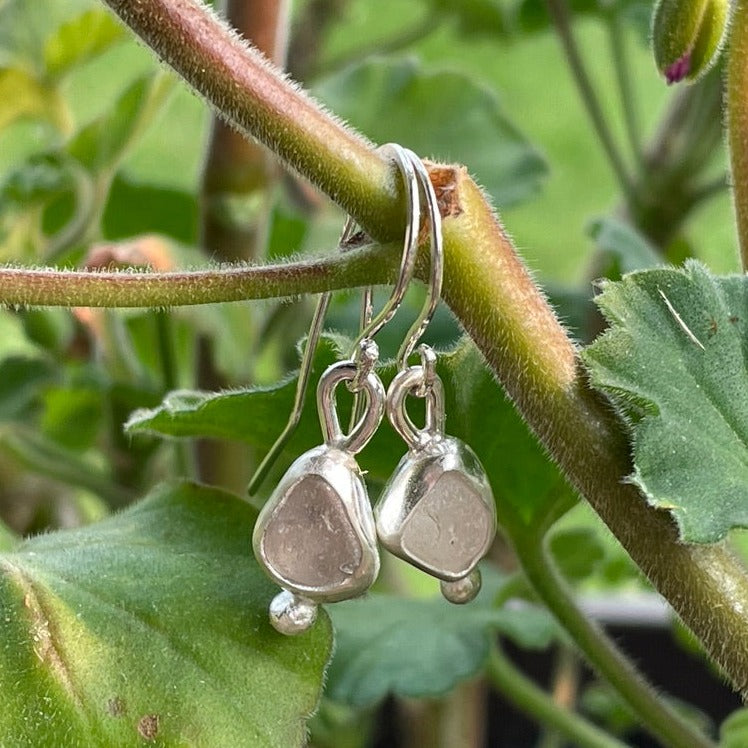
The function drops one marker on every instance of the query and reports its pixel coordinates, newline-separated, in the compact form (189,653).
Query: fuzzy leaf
(421,648)
(402,102)
(528,488)
(136,628)
(674,364)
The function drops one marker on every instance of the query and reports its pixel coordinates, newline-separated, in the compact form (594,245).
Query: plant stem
(623,76)
(602,653)
(122,289)
(737,121)
(256,98)
(536,703)
(559,12)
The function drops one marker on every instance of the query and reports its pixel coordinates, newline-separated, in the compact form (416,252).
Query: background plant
(102,155)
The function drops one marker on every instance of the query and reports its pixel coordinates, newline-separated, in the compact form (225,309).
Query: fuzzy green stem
(602,653)
(122,289)
(491,292)
(256,99)
(533,701)
(737,121)
(559,12)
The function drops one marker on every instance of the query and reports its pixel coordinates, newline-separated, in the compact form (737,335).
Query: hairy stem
(491,292)
(560,16)
(737,121)
(536,704)
(602,653)
(257,100)
(122,289)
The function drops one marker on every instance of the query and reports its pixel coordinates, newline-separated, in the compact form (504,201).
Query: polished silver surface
(291,614)
(315,536)
(463,590)
(411,381)
(370,385)
(437,510)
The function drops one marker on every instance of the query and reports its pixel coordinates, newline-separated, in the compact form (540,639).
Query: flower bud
(687,36)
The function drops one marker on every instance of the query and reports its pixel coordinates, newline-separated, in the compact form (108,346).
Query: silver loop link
(371,385)
(408,382)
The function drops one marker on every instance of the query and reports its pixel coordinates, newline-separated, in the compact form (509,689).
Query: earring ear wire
(437,510)
(406,164)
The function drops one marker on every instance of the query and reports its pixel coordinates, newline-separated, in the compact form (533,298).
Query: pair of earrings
(317,535)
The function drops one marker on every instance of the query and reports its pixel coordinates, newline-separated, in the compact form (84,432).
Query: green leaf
(72,416)
(39,179)
(421,648)
(403,102)
(21,96)
(102,144)
(481,17)
(79,40)
(152,625)
(673,362)
(135,208)
(529,490)
(26,24)
(733,733)
(624,248)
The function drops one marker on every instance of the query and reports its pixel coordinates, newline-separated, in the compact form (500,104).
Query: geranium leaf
(674,364)
(421,648)
(152,625)
(528,488)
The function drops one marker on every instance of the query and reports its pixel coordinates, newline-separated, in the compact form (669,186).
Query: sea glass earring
(315,536)
(437,510)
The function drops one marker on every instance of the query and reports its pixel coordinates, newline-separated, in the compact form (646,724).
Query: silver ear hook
(436,273)
(405,164)
(437,510)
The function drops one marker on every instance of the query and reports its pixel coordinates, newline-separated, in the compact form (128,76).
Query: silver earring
(437,510)
(315,536)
